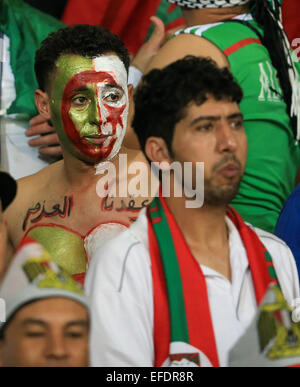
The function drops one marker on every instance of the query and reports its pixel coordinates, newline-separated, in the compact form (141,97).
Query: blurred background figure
(22,29)
(47,315)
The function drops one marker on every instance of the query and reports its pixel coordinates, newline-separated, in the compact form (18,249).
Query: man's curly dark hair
(162,99)
(84,40)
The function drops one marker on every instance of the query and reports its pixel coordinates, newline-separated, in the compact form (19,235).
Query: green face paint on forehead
(89,106)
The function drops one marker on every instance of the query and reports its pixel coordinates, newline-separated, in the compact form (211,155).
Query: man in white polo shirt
(183,284)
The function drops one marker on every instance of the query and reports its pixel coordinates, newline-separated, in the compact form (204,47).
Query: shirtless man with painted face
(82,76)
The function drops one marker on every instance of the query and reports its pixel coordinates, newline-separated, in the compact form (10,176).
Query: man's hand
(152,46)
(48,142)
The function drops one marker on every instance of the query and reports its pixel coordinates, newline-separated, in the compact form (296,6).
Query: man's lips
(229,170)
(98,139)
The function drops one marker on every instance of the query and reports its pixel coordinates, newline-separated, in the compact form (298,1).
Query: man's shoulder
(268,238)
(186,44)
(30,188)
(284,263)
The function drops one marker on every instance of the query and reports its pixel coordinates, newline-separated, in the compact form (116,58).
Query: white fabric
(134,76)
(17,157)
(204,4)
(119,285)
(204,27)
(8,91)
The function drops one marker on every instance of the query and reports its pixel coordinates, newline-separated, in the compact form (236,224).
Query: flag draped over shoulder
(26,28)
(128,19)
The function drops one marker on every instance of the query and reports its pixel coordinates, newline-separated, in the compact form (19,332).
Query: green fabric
(271,268)
(165,16)
(273,158)
(179,328)
(26,28)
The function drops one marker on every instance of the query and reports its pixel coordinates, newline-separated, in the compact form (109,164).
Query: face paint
(94,107)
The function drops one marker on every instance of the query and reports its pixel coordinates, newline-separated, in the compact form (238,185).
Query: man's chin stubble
(216,196)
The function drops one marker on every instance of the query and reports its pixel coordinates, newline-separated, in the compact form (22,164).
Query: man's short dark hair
(84,40)
(162,99)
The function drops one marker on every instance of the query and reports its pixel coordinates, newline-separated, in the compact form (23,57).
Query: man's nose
(95,116)
(226,139)
(56,347)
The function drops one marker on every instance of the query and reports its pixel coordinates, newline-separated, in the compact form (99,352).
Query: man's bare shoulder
(30,188)
(34,184)
(186,44)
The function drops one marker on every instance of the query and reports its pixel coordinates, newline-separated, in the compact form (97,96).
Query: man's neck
(206,233)
(212,15)
(205,225)
(78,173)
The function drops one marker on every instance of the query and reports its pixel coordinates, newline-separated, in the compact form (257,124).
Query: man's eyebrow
(29,321)
(83,323)
(215,118)
(235,115)
(205,118)
(79,89)
(113,86)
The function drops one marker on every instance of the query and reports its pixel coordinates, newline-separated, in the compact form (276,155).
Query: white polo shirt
(119,286)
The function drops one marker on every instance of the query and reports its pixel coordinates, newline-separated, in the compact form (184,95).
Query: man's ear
(130,92)
(42,103)
(157,151)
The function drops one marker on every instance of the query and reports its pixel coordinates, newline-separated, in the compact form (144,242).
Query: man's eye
(237,124)
(112,97)
(204,127)
(79,101)
(34,334)
(74,335)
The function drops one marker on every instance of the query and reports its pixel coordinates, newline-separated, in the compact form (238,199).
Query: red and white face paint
(94,108)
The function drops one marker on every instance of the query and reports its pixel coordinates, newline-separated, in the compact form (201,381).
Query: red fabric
(128,19)
(242,43)
(80,278)
(256,256)
(162,335)
(193,282)
(291,18)
(85,12)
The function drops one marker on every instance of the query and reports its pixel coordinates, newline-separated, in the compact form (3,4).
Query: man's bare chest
(61,224)
(79,214)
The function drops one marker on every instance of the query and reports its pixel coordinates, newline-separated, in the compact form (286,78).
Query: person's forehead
(57,310)
(212,107)
(69,66)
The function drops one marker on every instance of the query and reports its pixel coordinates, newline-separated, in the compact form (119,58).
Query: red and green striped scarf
(183,329)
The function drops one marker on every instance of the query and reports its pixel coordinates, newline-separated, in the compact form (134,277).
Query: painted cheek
(115,117)
(78,118)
